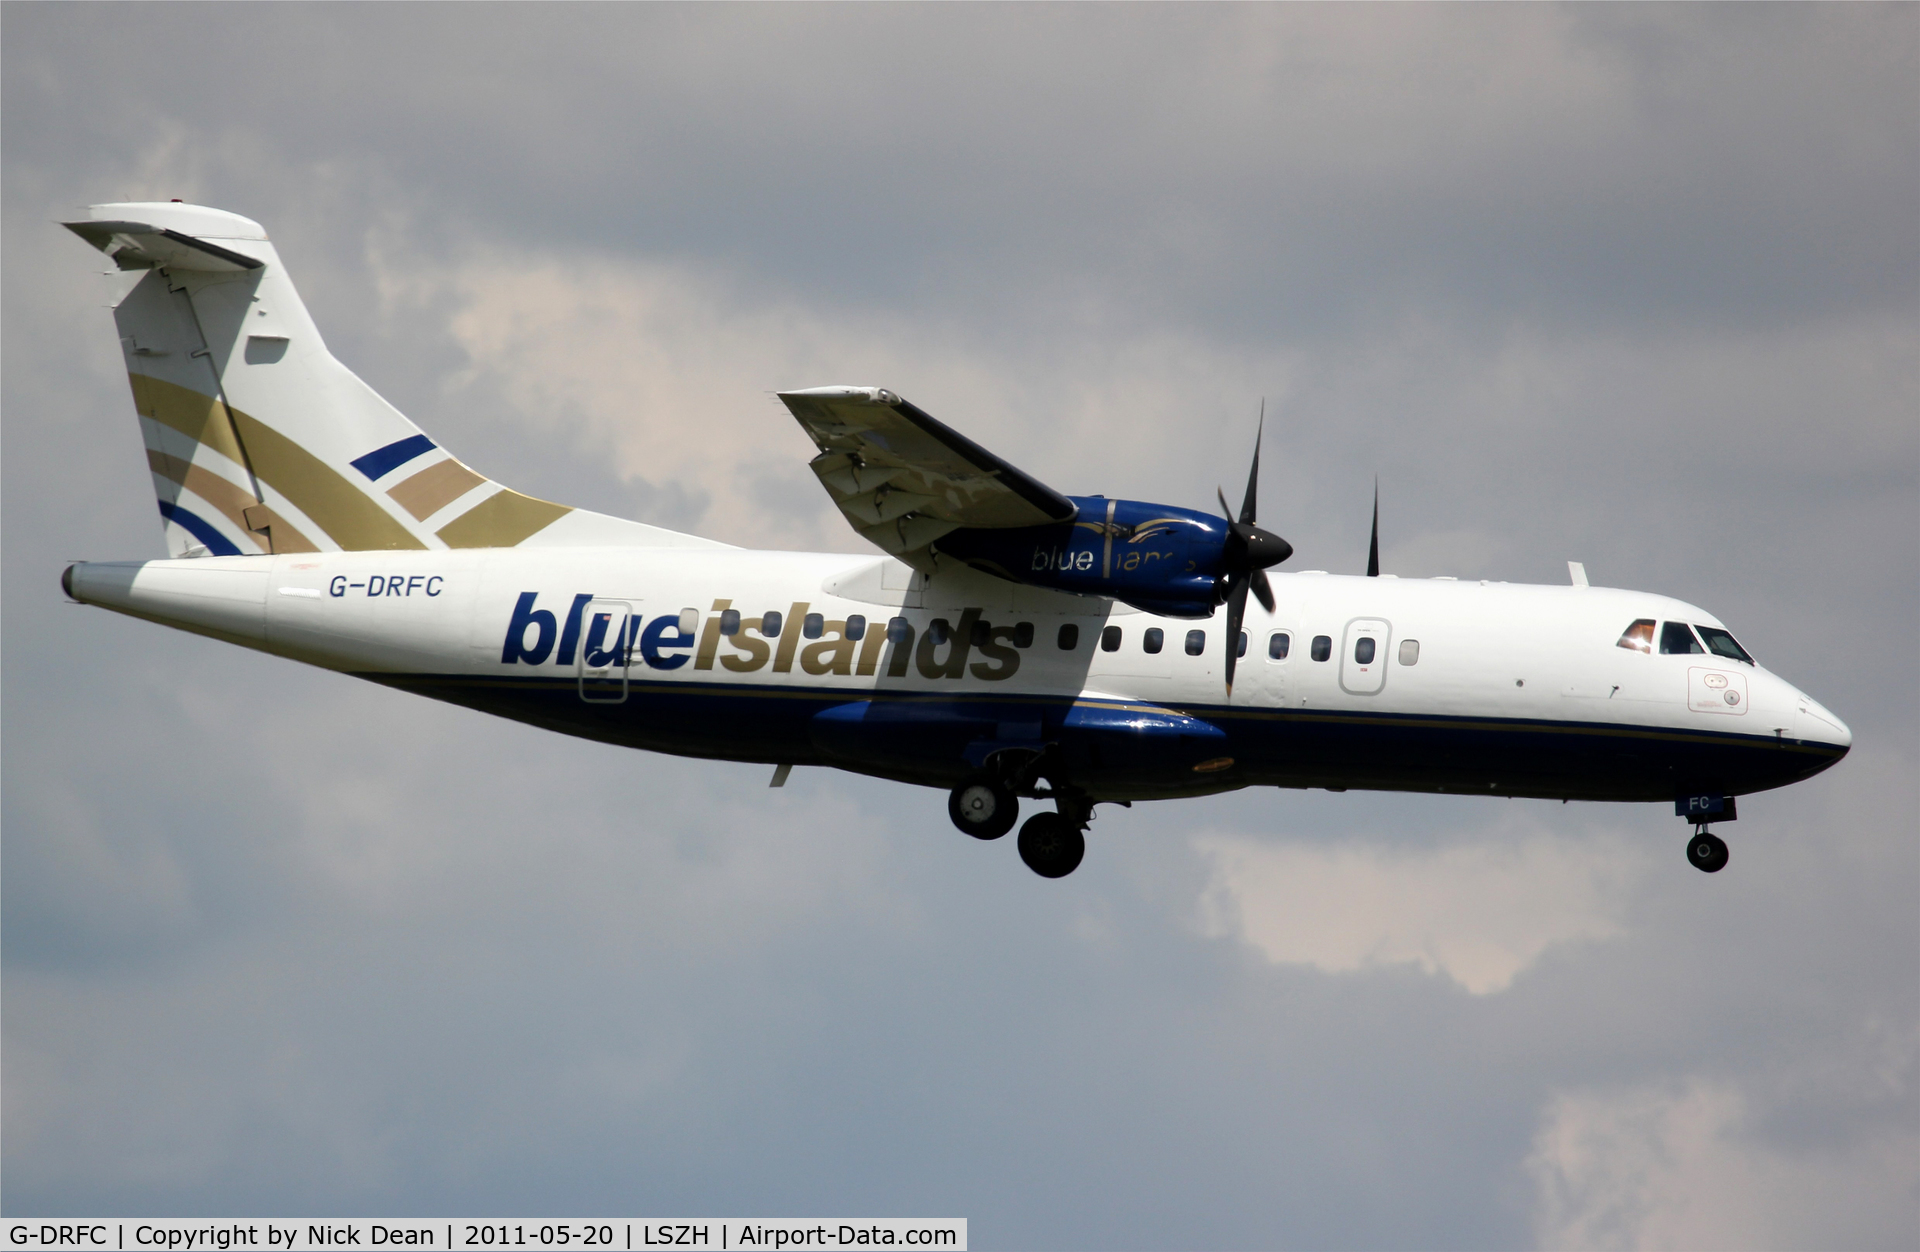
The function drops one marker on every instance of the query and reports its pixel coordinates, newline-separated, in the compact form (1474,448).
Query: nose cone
(1836,732)
(1819,725)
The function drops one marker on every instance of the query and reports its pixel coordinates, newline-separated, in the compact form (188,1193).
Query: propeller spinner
(1248,554)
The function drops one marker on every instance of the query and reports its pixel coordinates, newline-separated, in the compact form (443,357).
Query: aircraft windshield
(1676,638)
(1639,636)
(1720,643)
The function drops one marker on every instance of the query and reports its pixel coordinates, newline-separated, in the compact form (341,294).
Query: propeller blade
(1253,475)
(1236,610)
(1247,551)
(1373,547)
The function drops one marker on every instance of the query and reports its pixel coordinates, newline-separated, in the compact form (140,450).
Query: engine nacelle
(1155,557)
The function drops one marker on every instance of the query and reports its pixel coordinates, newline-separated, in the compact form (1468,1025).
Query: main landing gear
(986,805)
(1052,844)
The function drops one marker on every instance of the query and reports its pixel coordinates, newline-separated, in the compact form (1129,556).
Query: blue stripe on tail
(199,528)
(383,461)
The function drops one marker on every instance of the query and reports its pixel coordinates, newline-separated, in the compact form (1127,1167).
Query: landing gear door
(606,651)
(1363,656)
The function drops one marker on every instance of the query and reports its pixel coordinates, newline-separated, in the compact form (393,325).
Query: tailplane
(261,442)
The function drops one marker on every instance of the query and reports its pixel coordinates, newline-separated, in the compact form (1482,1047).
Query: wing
(903,479)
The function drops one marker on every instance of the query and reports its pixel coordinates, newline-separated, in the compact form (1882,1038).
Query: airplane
(1004,642)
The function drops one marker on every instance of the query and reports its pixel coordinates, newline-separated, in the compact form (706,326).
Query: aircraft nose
(1820,725)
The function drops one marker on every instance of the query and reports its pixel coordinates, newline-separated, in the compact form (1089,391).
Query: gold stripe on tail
(349,516)
(236,503)
(501,520)
(434,488)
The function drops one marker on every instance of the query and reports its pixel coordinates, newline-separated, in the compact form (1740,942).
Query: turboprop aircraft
(1005,642)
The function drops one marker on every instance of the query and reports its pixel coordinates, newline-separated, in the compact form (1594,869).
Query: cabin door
(1363,656)
(606,651)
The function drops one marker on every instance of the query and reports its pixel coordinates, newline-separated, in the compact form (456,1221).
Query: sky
(1637,286)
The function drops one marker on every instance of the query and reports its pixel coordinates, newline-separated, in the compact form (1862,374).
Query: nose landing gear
(1707,851)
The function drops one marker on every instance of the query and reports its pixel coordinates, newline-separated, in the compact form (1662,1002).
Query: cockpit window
(1675,638)
(1720,643)
(1639,636)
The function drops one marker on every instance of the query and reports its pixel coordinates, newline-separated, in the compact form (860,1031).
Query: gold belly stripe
(434,488)
(350,517)
(501,520)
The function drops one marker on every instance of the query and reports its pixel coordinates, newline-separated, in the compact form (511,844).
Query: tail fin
(260,441)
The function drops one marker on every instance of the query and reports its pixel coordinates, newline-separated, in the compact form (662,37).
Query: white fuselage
(1469,686)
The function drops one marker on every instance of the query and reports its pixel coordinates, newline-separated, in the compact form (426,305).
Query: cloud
(1480,913)
(1629,286)
(1685,1166)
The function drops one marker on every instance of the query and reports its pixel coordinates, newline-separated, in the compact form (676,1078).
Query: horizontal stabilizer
(136,245)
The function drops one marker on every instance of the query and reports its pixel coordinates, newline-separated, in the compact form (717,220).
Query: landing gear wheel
(1708,852)
(983,807)
(1051,845)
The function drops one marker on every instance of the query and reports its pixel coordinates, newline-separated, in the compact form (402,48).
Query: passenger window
(1196,642)
(1110,639)
(939,629)
(1720,643)
(770,624)
(1070,637)
(689,621)
(813,625)
(1639,636)
(1322,647)
(856,627)
(1676,639)
(1363,651)
(1409,652)
(1277,644)
(1023,635)
(982,631)
(1240,649)
(1153,639)
(898,631)
(730,621)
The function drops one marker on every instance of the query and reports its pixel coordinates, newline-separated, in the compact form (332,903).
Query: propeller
(1373,546)
(1248,553)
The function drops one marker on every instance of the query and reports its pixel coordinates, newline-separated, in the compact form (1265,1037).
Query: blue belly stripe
(1291,747)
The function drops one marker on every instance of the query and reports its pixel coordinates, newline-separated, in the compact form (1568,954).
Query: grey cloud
(1250,170)
(1634,286)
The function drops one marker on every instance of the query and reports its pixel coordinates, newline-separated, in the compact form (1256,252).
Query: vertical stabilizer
(260,441)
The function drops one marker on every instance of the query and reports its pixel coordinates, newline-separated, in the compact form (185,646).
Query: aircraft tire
(983,807)
(1707,852)
(1051,845)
